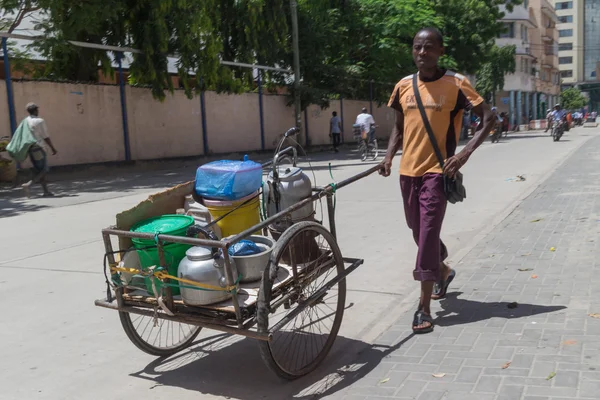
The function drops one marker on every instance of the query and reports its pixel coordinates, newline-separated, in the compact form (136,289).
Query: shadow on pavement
(468,311)
(231,366)
(224,365)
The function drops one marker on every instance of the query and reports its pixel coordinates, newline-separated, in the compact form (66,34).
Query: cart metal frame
(242,319)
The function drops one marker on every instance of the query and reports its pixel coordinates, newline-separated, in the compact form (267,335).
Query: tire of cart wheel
(148,348)
(265,297)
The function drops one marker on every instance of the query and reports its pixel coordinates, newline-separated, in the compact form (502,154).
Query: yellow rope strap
(162,276)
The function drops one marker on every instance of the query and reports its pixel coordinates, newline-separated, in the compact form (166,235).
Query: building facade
(535,85)
(571,29)
(591,41)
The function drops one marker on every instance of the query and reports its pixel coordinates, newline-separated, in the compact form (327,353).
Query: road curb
(369,335)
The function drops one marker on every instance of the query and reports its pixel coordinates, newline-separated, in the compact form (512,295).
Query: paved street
(521,320)
(59,346)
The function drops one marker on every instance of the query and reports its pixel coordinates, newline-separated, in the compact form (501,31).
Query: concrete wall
(85,121)
(233,122)
(172,128)
(318,124)
(278,118)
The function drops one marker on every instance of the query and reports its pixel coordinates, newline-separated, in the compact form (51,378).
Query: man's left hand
(454,164)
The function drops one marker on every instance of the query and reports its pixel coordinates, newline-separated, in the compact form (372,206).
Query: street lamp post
(296,48)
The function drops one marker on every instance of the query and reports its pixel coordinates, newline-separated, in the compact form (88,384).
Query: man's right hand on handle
(385,168)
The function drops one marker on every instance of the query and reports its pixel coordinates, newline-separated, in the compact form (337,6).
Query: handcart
(294,311)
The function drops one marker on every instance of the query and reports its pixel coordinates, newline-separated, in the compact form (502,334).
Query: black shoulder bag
(454,188)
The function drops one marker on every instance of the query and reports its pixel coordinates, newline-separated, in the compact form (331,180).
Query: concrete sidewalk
(520,318)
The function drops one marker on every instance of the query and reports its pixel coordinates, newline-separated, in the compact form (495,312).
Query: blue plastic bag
(228,180)
(244,248)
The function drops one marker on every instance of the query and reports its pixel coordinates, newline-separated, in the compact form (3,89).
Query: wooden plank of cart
(294,312)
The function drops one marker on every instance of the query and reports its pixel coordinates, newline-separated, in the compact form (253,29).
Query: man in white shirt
(335,130)
(37,152)
(366,122)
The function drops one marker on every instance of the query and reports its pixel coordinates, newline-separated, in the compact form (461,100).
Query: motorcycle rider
(548,119)
(559,115)
(497,131)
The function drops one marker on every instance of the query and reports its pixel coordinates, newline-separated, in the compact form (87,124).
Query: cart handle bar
(326,191)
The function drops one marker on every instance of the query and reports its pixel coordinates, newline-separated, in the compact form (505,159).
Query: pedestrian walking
(335,130)
(30,140)
(429,106)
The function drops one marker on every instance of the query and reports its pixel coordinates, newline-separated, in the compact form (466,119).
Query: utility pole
(296,48)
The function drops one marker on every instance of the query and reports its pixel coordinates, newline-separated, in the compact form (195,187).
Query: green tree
(197,33)
(470,28)
(344,44)
(572,99)
(490,77)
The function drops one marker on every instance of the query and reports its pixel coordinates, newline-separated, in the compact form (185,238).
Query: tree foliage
(572,99)
(344,44)
(490,77)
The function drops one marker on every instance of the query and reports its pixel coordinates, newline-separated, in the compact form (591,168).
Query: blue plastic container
(228,180)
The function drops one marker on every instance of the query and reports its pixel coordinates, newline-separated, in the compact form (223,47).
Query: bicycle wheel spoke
(303,341)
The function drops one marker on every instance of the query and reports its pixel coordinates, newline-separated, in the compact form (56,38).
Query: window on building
(565,60)
(509,30)
(565,19)
(564,5)
(566,74)
(565,46)
(544,75)
(524,33)
(565,32)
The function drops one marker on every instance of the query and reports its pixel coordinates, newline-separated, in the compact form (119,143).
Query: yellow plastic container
(239,220)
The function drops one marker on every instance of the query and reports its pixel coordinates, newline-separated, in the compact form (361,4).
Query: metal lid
(288,173)
(198,253)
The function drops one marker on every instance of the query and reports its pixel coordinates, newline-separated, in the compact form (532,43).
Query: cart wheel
(304,341)
(165,339)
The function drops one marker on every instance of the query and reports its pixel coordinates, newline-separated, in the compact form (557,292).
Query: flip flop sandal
(419,319)
(441,288)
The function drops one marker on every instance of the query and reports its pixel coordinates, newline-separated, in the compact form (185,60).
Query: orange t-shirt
(444,100)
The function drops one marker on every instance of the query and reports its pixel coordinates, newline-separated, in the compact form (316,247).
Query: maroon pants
(425,206)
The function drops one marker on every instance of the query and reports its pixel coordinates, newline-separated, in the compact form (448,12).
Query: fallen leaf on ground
(552,375)
(384,380)
(439,375)
(552,248)
(512,305)
(569,342)
(506,365)
(536,220)
(594,315)
(525,269)
(534,276)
